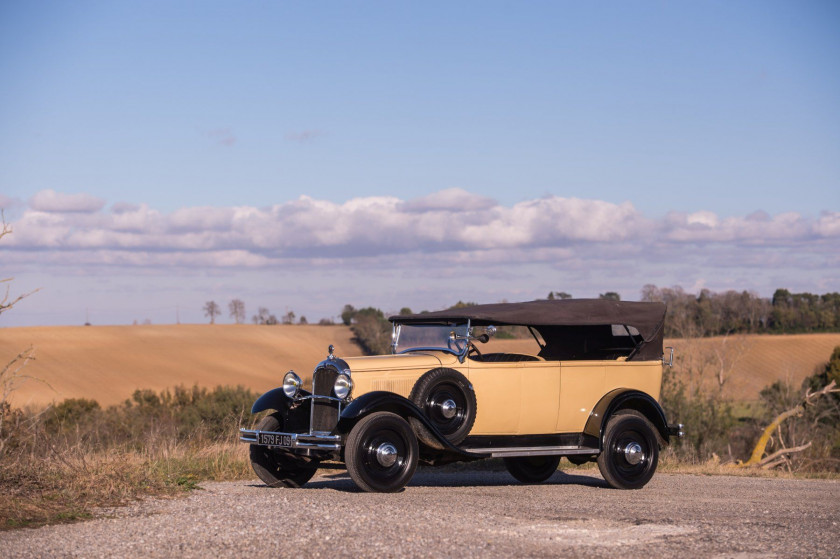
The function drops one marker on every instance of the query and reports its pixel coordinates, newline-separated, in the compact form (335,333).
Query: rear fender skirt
(274,400)
(388,401)
(623,398)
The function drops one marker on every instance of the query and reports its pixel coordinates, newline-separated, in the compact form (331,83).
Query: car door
(581,386)
(540,397)
(498,393)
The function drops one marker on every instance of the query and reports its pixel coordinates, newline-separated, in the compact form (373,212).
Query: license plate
(274,439)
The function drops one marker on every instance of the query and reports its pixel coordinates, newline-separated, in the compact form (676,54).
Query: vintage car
(587,391)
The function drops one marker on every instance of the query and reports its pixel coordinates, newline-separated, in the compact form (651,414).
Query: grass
(63,464)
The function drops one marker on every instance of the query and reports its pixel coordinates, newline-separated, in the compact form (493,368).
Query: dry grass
(72,483)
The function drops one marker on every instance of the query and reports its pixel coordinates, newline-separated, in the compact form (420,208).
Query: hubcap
(633,453)
(448,409)
(386,455)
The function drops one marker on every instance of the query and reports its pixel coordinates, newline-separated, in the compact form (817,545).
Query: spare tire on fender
(448,400)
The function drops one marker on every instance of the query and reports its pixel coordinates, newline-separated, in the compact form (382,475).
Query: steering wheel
(474,348)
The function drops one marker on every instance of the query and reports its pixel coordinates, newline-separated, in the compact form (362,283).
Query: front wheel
(532,469)
(381,453)
(631,451)
(277,468)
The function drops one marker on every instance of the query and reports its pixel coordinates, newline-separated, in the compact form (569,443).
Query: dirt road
(466,514)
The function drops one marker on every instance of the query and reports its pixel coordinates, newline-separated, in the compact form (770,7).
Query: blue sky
(715,115)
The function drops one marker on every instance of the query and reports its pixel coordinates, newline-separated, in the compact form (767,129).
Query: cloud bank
(316,255)
(453,224)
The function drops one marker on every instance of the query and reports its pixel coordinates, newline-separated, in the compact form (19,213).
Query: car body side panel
(645,376)
(540,397)
(581,386)
(498,392)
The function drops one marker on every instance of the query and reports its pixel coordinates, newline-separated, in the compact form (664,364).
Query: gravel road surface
(463,514)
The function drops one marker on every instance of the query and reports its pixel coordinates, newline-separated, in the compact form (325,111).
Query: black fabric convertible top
(571,328)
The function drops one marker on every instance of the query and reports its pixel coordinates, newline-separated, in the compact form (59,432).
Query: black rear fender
(625,399)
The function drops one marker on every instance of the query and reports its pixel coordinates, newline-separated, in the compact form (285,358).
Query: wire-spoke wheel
(630,452)
(381,453)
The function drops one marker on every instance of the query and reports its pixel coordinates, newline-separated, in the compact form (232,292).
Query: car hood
(415,360)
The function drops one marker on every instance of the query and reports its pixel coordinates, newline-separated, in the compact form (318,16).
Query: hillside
(108,363)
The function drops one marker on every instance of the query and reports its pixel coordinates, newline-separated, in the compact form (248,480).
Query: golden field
(107,363)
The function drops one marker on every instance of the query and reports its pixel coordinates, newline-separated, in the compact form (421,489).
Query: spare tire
(448,401)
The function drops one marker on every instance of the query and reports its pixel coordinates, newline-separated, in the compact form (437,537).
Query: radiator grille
(324,413)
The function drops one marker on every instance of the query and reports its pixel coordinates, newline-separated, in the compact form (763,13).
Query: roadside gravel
(462,514)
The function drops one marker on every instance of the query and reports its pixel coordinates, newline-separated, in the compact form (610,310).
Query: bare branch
(783,453)
(5,228)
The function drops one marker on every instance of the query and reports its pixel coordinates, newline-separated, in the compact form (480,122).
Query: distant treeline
(714,314)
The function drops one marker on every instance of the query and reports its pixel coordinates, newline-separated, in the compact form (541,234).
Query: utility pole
(177,314)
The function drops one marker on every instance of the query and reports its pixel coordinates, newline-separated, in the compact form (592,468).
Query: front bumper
(293,441)
(676,430)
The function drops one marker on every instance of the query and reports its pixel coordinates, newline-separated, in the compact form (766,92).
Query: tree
(289,317)
(237,310)
(263,316)
(211,310)
(372,330)
(347,314)
(610,296)
(302,320)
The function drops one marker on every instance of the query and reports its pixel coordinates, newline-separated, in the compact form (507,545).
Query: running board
(504,452)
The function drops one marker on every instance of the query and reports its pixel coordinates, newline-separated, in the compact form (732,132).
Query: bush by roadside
(63,463)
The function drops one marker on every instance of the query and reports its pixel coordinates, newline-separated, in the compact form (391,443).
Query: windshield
(429,336)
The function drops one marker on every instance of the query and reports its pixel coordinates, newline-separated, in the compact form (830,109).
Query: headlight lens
(291,384)
(343,386)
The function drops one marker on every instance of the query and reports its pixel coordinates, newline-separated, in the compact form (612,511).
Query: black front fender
(274,400)
(388,401)
(623,398)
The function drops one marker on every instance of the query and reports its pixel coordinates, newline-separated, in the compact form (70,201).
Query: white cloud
(444,230)
(52,201)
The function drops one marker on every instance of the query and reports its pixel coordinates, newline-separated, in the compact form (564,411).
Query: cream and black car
(587,389)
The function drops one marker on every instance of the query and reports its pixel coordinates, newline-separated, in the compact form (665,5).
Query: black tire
(366,454)
(532,469)
(278,468)
(430,392)
(630,452)
(580,460)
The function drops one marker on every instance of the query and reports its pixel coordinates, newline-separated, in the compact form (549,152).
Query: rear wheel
(631,451)
(381,453)
(278,468)
(532,469)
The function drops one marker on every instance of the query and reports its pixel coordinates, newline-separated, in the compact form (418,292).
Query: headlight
(291,384)
(343,386)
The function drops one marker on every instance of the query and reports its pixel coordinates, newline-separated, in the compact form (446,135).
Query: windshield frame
(461,342)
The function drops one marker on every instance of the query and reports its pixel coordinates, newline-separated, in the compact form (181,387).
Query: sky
(301,156)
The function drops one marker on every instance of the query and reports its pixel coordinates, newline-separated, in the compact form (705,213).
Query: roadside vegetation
(64,462)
